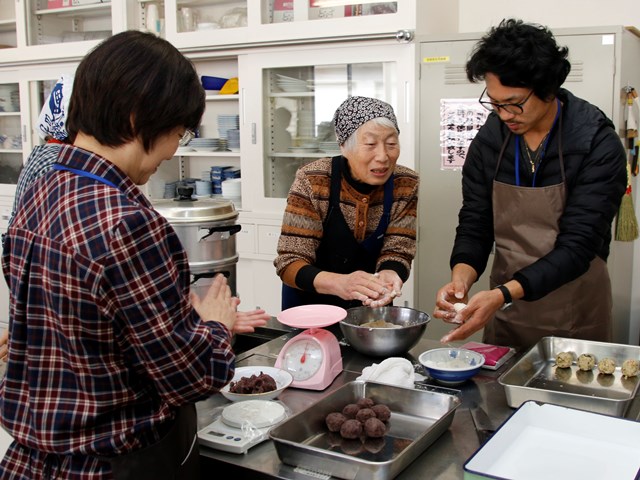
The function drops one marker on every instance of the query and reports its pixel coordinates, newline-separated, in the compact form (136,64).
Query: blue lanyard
(544,148)
(82,173)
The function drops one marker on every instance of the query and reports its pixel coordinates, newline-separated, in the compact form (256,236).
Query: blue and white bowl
(451,366)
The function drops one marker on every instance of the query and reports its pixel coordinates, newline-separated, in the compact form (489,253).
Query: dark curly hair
(521,55)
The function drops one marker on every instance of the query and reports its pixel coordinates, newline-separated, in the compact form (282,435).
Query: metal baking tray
(535,377)
(418,418)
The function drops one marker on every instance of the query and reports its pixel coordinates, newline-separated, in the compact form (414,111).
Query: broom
(626,222)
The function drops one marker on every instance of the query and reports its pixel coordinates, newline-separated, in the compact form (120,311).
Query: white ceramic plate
(282,377)
(255,413)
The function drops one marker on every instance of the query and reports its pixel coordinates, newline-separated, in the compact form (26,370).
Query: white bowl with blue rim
(451,366)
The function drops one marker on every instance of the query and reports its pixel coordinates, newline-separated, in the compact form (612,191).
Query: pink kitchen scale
(313,356)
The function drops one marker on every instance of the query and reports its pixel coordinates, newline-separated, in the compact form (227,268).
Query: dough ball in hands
(459,306)
(564,359)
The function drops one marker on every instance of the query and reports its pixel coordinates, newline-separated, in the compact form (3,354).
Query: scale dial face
(302,359)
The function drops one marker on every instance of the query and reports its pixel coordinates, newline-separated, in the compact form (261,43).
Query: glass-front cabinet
(288,121)
(192,23)
(11,138)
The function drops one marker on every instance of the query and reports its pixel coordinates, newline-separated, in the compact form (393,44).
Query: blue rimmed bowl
(451,366)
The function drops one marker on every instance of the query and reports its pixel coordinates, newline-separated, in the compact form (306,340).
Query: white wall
(480,15)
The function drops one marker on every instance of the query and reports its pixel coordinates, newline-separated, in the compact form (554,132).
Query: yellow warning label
(442,59)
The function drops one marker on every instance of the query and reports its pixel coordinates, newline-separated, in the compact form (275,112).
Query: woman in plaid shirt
(108,353)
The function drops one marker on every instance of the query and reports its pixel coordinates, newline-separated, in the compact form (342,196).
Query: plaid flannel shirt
(104,342)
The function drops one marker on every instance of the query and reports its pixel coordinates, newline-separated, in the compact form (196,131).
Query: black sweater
(595,170)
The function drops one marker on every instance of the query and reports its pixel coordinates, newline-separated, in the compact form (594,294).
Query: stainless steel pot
(206,228)
(202,275)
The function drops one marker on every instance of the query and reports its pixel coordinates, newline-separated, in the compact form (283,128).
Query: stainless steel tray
(418,418)
(535,377)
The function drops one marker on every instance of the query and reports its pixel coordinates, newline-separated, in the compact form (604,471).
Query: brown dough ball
(374,445)
(365,414)
(374,428)
(334,421)
(382,412)
(350,410)
(366,403)
(351,429)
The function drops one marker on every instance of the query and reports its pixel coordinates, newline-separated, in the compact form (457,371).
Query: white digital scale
(242,425)
(312,357)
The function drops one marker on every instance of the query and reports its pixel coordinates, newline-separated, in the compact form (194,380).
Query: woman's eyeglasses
(513,108)
(186,137)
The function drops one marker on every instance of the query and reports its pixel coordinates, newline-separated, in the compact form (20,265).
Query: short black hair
(134,84)
(521,55)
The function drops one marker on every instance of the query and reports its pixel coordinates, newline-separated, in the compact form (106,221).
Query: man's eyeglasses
(186,137)
(513,108)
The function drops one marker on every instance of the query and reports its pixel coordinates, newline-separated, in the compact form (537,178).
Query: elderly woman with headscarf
(349,229)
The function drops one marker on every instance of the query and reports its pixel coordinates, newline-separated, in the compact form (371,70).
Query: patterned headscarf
(51,122)
(356,111)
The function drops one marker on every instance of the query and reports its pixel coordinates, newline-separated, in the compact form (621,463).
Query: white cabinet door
(289,98)
(223,23)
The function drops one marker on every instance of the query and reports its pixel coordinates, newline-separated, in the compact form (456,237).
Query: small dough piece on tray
(607,365)
(630,368)
(564,359)
(586,362)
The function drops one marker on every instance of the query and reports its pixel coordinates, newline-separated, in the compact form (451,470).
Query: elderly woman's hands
(393,289)
(373,290)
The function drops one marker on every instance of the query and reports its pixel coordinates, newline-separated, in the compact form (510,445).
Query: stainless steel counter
(483,406)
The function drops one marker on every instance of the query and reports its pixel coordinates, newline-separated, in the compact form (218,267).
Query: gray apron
(526,224)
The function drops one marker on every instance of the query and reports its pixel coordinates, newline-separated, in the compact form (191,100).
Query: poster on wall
(460,120)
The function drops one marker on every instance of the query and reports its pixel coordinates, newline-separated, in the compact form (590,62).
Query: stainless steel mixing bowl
(384,342)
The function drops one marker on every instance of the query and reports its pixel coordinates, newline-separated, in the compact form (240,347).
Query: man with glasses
(543,180)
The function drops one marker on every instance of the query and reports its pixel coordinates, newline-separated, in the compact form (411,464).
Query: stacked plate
(204,144)
(233,140)
(290,84)
(226,123)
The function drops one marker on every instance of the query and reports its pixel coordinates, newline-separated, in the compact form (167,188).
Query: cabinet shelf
(304,155)
(208,154)
(9,114)
(94,9)
(215,97)
(7,25)
(11,150)
(292,94)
